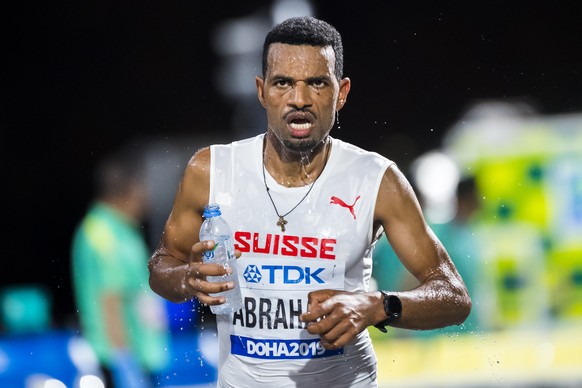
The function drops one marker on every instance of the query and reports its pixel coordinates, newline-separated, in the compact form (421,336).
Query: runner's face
(300,93)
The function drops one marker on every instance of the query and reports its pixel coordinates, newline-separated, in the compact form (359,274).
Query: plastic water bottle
(215,228)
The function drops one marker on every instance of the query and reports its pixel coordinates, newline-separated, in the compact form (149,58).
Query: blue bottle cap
(212,210)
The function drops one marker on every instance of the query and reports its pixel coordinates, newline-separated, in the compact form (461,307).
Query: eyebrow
(306,80)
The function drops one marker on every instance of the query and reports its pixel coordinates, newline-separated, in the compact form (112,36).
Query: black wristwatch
(392,308)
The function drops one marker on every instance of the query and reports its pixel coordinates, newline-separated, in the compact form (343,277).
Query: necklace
(282,221)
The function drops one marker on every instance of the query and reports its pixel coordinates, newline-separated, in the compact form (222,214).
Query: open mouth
(299,123)
(300,128)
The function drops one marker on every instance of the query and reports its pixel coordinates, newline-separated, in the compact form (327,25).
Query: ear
(344,90)
(260,83)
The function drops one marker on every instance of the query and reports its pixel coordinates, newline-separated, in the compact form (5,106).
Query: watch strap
(392,308)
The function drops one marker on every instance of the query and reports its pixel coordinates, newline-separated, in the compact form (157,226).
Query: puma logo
(336,201)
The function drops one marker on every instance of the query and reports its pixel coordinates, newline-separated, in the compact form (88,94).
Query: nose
(300,96)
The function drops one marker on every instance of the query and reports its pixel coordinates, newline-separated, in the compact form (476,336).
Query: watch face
(393,306)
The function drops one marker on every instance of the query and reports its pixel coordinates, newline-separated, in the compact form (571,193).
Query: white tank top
(327,243)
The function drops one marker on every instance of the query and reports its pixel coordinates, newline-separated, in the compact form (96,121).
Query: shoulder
(395,178)
(204,158)
(350,152)
(193,188)
(243,145)
(198,165)
(395,185)
(396,195)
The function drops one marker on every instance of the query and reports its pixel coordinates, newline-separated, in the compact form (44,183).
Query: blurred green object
(25,308)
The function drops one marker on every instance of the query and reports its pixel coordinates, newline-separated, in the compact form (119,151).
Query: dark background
(82,77)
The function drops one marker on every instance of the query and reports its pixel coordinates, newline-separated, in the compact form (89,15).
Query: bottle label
(223,250)
(209,255)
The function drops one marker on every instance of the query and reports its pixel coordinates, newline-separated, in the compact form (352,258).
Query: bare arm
(176,269)
(440,300)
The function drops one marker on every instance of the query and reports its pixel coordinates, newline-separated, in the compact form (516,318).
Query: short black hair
(306,30)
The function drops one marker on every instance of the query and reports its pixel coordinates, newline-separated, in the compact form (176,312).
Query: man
(306,210)
(122,319)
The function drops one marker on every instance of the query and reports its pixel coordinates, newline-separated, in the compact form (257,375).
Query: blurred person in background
(458,237)
(119,315)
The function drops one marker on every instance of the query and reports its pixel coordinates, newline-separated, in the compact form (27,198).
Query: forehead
(300,60)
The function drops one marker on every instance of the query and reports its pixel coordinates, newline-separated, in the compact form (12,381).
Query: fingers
(198,279)
(319,317)
(336,343)
(319,303)
(198,249)
(334,316)
(316,308)
(203,279)
(333,331)
(316,297)
(315,313)
(202,288)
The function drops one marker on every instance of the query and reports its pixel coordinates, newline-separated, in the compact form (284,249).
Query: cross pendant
(282,222)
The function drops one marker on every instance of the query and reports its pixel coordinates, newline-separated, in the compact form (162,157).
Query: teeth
(300,126)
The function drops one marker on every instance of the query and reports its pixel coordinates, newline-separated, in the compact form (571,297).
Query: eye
(318,83)
(282,83)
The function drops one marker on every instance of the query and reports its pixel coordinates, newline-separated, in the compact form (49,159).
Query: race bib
(275,295)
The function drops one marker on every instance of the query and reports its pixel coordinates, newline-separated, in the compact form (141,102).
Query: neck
(293,168)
